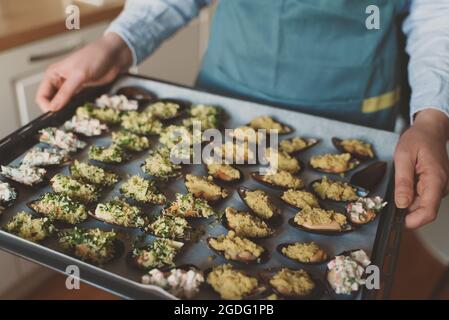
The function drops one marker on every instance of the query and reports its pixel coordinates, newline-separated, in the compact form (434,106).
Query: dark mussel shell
(175,176)
(10,203)
(210,201)
(265,256)
(274,220)
(92,214)
(295,207)
(224,222)
(285,128)
(353,164)
(361,192)
(311,142)
(131,261)
(183,106)
(119,247)
(331,292)
(370,176)
(259,178)
(143,96)
(186,237)
(255,295)
(16,185)
(337,144)
(283,245)
(103,166)
(347,229)
(359,224)
(66,161)
(60,223)
(316,293)
(227,182)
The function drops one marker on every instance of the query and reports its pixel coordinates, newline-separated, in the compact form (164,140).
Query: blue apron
(314,56)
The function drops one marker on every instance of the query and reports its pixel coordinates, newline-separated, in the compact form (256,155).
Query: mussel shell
(337,144)
(264,257)
(103,166)
(348,228)
(295,207)
(276,219)
(92,214)
(259,178)
(285,128)
(359,224)
(316,293)
(370,176)
(175,176)
(224,222)
(353,161)
(131,261)
(11,202)
(361,192)
(183,106)
(256,295)
(66,161)
(61,224)
(186,237)
(311,142)
(126,158)
(331,292)
(16,184)
(119,247)
(210,201)
(227,182)
(143,96)
(283,245)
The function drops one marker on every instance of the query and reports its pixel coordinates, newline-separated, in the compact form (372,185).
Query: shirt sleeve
(144,24)
(427,31)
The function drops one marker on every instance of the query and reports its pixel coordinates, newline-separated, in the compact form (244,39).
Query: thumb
(67,90)
(404,179)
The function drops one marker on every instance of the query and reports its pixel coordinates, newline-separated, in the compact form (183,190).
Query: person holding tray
(334,58)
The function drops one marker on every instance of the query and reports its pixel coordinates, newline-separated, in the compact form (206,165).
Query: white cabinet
(22,69)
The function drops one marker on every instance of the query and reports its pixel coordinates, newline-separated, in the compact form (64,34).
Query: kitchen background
(33,36)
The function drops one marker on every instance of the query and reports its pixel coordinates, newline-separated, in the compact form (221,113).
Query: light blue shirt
(145,24)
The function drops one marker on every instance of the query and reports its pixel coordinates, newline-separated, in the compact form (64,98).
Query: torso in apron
(314,56)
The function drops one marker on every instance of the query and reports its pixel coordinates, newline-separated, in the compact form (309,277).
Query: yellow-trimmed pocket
(384,101)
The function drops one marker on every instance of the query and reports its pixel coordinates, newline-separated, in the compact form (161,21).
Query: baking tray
(379,239)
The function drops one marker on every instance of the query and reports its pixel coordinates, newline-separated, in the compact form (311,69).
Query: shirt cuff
(430,93)
(122,33)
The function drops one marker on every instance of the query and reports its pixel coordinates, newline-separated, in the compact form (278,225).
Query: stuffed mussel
(303,252)
(246,225)
(75,189)
(357,148)
(364,210)
(316,220)
(239,249)
(260,203)
(335,190)
(92,174)
(92,245)
(234,284)
(345,273)
(279,179)
(333,163)
(159,253)
(60,207)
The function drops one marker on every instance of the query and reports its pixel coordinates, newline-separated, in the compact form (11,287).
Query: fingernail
(402,202)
